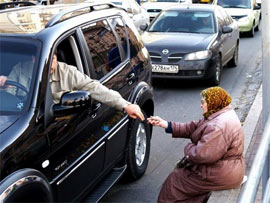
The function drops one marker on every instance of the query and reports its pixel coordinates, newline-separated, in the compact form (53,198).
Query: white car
(154,7)
(245,12)
(138,15)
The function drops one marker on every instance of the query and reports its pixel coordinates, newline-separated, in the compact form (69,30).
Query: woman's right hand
(157,121)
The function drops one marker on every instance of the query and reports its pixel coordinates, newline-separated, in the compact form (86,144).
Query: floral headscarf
(216,98)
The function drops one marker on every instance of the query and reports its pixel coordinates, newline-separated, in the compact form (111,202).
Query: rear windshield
(18,61)
(235,4)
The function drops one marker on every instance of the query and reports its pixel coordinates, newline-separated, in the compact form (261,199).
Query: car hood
(238,11)
(177,42)
(158,5)
(7,121)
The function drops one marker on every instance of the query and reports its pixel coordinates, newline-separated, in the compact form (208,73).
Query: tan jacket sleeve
(98,91)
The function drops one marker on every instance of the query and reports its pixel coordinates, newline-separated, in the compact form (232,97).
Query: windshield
(117,2)
(17,61)
(234,3)
(184,21)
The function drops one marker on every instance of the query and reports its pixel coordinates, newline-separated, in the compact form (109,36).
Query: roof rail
(73,12)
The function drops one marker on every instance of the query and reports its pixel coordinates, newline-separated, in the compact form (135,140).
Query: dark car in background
(192,41)
(78,148)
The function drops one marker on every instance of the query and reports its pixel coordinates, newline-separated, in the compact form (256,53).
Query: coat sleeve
(209,149)
(184,130)
(14,75)
(98,91)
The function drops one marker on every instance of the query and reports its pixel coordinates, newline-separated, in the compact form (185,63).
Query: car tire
(138,149)
(257,27)
(216,72)
(234,61)
(251,33)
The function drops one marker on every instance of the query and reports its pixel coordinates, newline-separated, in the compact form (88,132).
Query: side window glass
(118,26)
(102,46)
(220,19)
(133,42)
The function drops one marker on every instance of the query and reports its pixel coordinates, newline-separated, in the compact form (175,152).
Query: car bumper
(245,26)
(200,69)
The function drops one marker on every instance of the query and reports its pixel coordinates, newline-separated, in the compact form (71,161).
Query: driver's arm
(14,75)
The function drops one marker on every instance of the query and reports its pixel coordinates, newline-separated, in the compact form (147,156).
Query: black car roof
(194,7)
(29,20)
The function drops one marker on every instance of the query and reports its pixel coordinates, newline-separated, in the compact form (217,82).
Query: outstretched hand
(134,111)
(157,121)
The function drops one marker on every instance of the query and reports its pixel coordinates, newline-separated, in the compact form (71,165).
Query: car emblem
(165,51)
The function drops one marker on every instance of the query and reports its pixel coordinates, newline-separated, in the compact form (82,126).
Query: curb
(249,127)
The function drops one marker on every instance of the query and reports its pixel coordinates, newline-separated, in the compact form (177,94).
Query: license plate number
(165,68)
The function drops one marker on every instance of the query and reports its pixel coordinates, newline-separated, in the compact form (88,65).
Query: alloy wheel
(140,147)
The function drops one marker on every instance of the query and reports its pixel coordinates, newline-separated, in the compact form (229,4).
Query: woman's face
(204,105)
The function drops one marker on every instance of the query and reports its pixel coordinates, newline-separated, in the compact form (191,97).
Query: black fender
(143,96)
(25,185)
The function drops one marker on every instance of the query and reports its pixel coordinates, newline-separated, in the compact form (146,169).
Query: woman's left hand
(157,121)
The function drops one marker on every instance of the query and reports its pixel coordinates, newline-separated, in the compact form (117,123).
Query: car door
(107,46)
(233,36)
(226,38)
(77,148)
(256,12)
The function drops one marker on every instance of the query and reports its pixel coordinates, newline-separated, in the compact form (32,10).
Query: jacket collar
(55,76)
(225,109)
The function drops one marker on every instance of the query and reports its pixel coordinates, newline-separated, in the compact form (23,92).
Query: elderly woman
(214,158)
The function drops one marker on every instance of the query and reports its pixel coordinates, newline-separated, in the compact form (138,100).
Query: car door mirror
(129,10)
(72,102)
(143,27)
(226,29)
(257,7)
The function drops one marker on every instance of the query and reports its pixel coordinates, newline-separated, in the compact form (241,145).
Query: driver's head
(206,21)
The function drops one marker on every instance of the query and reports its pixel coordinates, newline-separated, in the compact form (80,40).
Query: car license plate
(165,68)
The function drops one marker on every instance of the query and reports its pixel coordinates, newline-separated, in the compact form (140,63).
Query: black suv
(77,149)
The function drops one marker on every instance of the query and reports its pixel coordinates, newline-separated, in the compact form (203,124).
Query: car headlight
(199,55)
(244,19)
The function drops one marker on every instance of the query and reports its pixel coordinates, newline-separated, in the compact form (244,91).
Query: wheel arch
(25,185)
(144,97)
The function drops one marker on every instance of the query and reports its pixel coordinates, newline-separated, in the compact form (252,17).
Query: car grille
(153,10)
(155,57)
(181,73)
(173,58)
(238,17)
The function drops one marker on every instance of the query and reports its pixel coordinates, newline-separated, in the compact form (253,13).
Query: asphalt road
(180,101)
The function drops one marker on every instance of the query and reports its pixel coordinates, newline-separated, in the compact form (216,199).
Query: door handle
(97,106)
(93,112)
(130,78)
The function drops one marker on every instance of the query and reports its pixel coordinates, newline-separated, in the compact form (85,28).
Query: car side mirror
(143,27)
(72,102)
(226,29)
(129,10)
(256,7)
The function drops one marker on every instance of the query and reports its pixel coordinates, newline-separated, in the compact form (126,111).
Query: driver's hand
(134,111)
(3,80)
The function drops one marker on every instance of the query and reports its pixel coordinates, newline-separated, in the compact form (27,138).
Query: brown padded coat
(216,155)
